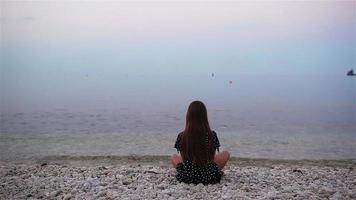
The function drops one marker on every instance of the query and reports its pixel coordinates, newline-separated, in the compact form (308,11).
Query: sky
(69,52)
(155,38)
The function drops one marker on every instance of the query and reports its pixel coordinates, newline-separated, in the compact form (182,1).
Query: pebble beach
(152,178)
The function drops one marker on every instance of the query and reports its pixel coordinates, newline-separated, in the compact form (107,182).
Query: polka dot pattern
(188,172)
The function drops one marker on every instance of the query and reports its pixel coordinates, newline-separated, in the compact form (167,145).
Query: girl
(197,144)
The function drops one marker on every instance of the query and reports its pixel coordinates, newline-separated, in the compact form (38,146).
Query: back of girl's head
(197,136)
(197,113)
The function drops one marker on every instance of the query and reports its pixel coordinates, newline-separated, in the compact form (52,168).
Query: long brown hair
(197,138)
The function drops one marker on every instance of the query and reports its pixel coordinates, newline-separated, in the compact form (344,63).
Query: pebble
(227,196)
(336,196)
(55,181)
(353,194)
(67,197)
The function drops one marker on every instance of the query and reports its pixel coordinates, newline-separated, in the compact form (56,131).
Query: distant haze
(74,52)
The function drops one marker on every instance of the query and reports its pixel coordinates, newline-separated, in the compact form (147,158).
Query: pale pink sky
(68,21)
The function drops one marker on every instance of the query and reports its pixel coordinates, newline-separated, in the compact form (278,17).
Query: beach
(93,95)
(151,177)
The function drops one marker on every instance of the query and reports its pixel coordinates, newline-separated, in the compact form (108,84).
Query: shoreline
(163,160)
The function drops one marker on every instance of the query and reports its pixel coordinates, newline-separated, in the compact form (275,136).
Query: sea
(255,116)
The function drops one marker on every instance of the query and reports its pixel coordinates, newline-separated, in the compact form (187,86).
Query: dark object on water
(351,73)
(212,75)
(230,82)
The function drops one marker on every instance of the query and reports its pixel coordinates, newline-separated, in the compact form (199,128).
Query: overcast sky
(274,37)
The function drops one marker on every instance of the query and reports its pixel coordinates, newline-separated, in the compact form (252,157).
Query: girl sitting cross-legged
(198,161)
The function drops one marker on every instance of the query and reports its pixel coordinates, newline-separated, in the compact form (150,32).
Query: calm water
(289,117)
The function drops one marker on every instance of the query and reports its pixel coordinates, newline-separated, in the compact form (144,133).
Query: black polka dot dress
(189,172)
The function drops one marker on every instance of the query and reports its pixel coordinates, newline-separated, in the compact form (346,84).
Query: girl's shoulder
(214,133)
(180,134)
